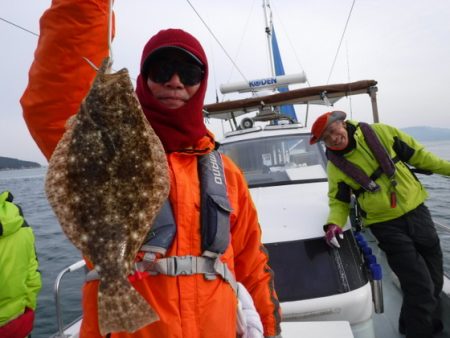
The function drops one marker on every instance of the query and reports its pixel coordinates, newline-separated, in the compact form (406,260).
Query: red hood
(177,128)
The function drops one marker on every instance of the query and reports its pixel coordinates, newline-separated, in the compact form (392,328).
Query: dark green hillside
(13,163)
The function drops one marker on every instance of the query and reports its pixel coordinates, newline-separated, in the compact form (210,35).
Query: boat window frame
(306,136)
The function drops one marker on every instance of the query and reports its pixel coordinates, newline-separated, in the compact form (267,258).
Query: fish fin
(122,308)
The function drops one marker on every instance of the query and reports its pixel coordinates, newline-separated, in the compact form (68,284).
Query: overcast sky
(402,44)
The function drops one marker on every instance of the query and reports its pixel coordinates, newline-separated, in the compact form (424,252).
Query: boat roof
(311,95)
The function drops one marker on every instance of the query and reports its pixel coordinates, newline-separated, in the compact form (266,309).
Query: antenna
(268,30)
(265,83)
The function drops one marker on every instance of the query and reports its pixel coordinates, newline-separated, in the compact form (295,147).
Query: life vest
(215,209)
(387,165)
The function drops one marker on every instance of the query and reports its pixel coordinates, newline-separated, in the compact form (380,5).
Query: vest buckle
(180,265)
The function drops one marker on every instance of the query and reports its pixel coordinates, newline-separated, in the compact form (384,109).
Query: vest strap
(215,212)
(378,150)
(376,174)
(351,170)
(215,206)
(162,232)
(182,266)
(386,163)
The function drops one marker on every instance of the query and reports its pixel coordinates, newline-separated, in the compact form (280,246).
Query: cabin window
(278,160)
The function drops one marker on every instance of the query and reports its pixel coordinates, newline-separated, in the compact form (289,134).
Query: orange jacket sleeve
(59,77)
(250,256)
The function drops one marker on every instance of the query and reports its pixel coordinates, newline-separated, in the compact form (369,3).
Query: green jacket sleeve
(417,155)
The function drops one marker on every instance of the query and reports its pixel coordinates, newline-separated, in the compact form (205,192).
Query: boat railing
(446,229)
(74,267)
(443,227)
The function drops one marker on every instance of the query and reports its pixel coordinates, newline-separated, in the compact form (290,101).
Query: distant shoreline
(8,163)
(420,133)
(428,134)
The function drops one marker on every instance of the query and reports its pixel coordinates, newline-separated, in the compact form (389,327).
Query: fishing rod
(18,26)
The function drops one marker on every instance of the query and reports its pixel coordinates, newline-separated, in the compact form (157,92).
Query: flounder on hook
(106,181)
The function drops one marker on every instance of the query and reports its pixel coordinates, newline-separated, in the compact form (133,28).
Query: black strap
(421,171)
(353,172)
(375,175)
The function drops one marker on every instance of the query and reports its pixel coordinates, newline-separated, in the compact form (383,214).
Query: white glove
(249,323)
(332,230)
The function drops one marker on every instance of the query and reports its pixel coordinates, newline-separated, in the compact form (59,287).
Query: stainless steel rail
(75,266)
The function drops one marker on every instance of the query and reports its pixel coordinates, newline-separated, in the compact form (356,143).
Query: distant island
(13,163)
(424,134)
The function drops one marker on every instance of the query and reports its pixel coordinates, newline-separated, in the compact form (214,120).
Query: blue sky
(401,44)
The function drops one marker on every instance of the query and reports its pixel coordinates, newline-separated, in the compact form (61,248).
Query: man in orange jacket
(171,88)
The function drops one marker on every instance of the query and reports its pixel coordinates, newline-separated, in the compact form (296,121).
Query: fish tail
(122,308)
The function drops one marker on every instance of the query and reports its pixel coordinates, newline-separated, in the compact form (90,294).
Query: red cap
(322,123)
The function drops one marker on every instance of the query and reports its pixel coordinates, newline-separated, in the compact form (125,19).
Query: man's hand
(330,236)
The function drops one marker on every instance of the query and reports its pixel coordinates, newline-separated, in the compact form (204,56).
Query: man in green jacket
(391,201)
(20,280)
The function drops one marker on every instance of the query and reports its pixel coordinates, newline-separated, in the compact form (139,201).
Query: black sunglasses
(161,71)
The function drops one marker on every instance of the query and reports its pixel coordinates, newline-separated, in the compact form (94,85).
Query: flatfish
(106,181)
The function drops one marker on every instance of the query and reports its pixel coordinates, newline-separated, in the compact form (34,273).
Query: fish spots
(106,181)
(134,235)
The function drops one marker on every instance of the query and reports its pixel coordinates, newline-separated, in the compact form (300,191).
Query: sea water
(55,252)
